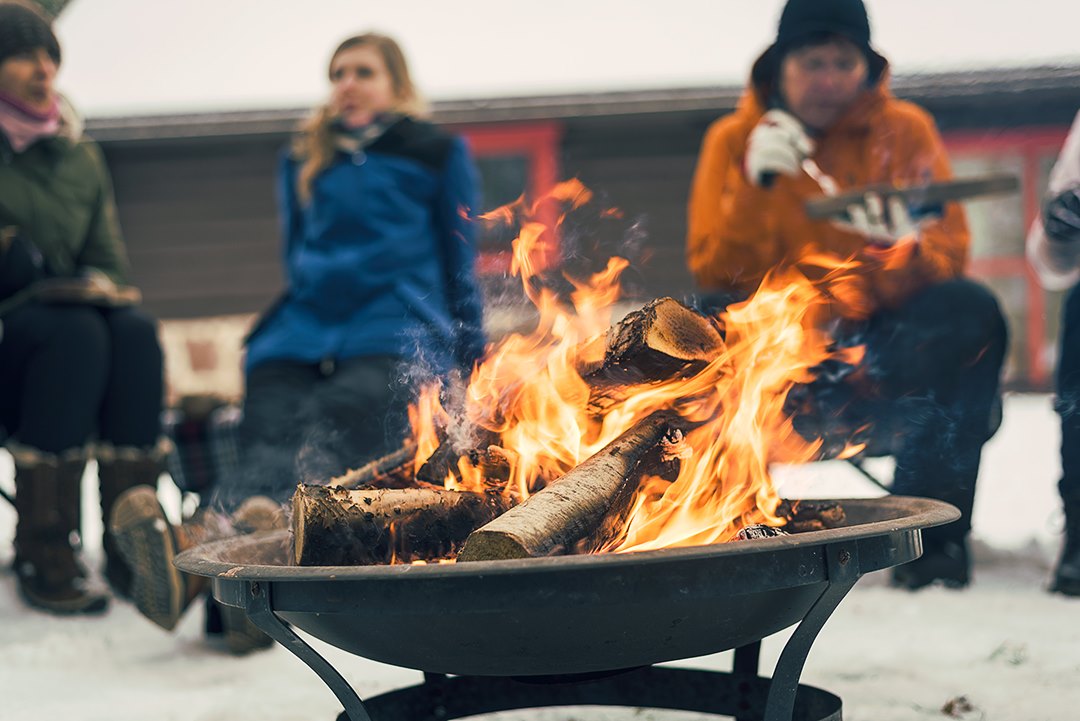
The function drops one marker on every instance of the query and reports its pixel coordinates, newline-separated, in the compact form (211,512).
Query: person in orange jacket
(819,117)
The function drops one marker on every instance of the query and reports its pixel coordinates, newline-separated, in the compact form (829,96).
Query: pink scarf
(23,126)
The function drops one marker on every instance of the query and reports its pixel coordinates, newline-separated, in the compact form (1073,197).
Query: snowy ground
(1011,648)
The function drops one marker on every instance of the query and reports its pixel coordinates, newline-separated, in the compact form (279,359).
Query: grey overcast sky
(156,56)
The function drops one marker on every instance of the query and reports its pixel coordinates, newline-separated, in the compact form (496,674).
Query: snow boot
(1067,574)
(47,500)
(945,561)
(933,465)
(148,543)
(120,469)
(232,628)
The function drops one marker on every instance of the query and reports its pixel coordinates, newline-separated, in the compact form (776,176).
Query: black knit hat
(806,20)
(23,28)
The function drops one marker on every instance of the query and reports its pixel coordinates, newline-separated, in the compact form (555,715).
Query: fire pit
(584,629)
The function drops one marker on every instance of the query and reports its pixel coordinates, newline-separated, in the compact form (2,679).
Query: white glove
(881,228)
(777,146)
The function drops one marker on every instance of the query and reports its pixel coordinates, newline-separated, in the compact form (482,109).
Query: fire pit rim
(680,603)
(916,512)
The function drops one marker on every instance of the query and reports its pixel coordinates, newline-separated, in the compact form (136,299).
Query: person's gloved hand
(882,223)
(777,146)
(1061,217)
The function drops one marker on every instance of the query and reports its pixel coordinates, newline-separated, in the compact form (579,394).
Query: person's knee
(967,311)
(134,333)
(81,331)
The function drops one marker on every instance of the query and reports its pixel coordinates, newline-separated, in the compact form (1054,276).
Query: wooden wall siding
(200,219)
(645,170)
(200,223)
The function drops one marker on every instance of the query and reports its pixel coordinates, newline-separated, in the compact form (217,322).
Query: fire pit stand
(575,630)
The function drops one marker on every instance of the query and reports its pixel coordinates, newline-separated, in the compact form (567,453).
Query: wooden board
(920,199)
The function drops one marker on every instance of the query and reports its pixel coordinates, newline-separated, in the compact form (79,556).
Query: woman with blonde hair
(378,248)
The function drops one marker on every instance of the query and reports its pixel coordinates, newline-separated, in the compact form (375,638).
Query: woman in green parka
(80,368)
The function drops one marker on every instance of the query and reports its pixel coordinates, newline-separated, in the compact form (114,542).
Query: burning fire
(528,393)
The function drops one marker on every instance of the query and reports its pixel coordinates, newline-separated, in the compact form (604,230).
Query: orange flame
(528,391)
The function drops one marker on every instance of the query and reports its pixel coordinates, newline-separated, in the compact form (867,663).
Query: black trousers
(1068,402)
(926,392)
(70,371)
(310,422)
(936,363)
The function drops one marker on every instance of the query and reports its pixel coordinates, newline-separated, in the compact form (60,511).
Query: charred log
(495,464)
(342,527)
(809,515)
(661,341)
(444,461)
(581,511)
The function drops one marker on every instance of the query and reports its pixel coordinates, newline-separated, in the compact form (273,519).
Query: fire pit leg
(746,658)
(842,561)
(260,610)
(745,664)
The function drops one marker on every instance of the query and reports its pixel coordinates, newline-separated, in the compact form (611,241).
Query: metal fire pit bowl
(575,618)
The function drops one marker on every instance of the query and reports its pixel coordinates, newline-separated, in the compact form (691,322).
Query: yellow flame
(529,391)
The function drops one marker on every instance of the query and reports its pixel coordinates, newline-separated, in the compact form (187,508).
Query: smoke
(592,234)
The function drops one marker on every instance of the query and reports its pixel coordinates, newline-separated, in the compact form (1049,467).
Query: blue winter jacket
(380,261)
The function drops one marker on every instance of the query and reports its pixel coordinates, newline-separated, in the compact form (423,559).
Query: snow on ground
(1011,648)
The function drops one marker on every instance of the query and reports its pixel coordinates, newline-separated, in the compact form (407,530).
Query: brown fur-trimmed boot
(148,543)
(47,500)
(160,591)
(120,469)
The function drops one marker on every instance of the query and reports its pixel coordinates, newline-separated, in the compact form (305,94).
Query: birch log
(393,470)
(580,511)
(341,527)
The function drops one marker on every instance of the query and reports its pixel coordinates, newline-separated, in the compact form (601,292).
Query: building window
(513,160)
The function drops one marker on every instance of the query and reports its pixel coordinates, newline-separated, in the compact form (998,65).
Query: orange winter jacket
(738,232)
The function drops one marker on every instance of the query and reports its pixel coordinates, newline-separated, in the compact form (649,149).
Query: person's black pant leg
(359,413)
(938,359)
(131,408)
(1068,401)
(270,433)
(53,368)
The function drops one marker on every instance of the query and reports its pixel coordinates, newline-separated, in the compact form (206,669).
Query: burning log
(390,471)
(444,460)
(439,464)
(661,341)
(495,464)
(580,511)
(341,527)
